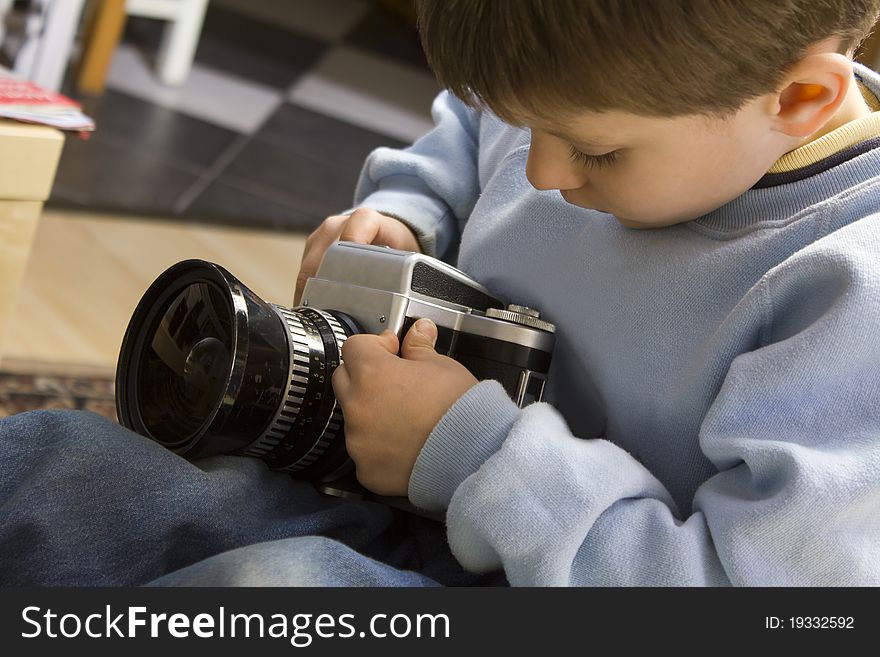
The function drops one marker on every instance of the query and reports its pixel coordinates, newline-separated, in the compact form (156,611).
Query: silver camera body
(386,289)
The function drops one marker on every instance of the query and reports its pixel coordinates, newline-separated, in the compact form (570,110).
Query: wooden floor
(87,273)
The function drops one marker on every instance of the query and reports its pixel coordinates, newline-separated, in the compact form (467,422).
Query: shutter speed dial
(521,315)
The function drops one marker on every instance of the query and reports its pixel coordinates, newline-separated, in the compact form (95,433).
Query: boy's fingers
(366,226)
(360,351)
(362,226)
(301,278)
(341,382)
(419,341)
(316,245)
(398,235)
(389,340)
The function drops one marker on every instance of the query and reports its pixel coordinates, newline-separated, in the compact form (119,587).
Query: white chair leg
(56,43)
(179,41)
(50,29)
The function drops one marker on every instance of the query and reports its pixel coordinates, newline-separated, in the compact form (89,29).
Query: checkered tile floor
(285,100)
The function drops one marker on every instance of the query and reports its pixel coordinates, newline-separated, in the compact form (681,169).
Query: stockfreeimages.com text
(300,629)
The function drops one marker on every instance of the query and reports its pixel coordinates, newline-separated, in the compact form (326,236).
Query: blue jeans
(86,502)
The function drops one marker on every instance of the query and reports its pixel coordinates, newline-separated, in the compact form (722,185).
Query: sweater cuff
(464,438)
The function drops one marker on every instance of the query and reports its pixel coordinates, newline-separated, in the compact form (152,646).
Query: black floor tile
(149,128)
(101,175)
(227,201)
(316,186)
(321,137)
(144,32)
(299,168)
(242,46)
(385,33)
(277,70)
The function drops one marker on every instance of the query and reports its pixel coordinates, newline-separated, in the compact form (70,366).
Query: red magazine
(23,100)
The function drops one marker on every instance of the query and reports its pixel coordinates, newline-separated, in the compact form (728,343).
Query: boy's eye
(593,161)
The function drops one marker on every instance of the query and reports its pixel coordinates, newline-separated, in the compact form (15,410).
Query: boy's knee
(53,425)
(300,561)
(62,436)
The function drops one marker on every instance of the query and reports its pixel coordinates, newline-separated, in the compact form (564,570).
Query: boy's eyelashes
(593,161)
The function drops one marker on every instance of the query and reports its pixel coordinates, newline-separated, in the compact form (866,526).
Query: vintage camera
(207,367)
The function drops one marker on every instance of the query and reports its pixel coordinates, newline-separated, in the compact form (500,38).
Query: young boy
(690,192)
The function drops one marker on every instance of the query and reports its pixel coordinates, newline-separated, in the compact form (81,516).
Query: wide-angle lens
(207,367)
(185,365)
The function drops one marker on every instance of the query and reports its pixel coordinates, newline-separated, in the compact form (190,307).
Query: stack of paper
(25,101)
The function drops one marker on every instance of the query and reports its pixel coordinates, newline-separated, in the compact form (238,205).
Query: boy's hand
(363,226)
(391,404)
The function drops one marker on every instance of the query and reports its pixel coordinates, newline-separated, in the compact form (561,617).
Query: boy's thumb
(419,341)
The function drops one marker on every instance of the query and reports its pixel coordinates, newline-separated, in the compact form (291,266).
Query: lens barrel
(305,436)
(207,367)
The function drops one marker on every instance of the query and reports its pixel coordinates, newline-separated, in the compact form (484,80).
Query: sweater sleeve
(794,432)
(431,186)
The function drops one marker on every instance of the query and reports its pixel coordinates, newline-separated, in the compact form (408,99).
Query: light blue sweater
(713,411)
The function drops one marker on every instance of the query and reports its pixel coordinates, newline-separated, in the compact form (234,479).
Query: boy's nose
(549,165)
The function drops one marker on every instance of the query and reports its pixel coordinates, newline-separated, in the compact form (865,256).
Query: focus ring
(334,422)
(298,374)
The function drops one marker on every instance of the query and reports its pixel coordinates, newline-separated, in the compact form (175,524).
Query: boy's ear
(812,93)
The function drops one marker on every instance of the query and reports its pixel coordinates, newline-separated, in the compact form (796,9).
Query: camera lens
(207,367)
(185,365)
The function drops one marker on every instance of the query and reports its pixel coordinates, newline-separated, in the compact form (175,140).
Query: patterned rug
(27,392)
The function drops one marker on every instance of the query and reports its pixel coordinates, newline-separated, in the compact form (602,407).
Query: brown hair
(548,58)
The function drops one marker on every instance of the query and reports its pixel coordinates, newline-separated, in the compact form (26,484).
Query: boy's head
(656,112)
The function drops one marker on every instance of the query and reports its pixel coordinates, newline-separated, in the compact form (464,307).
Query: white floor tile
(208,94)
(326,19)
(369,91)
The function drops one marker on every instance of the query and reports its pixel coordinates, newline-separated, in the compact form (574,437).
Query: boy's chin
(628,222)
(571,200)
(648,225)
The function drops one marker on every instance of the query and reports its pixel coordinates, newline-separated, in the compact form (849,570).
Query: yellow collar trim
(854,132)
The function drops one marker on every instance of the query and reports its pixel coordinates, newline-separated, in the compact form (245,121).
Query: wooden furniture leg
(102,37)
